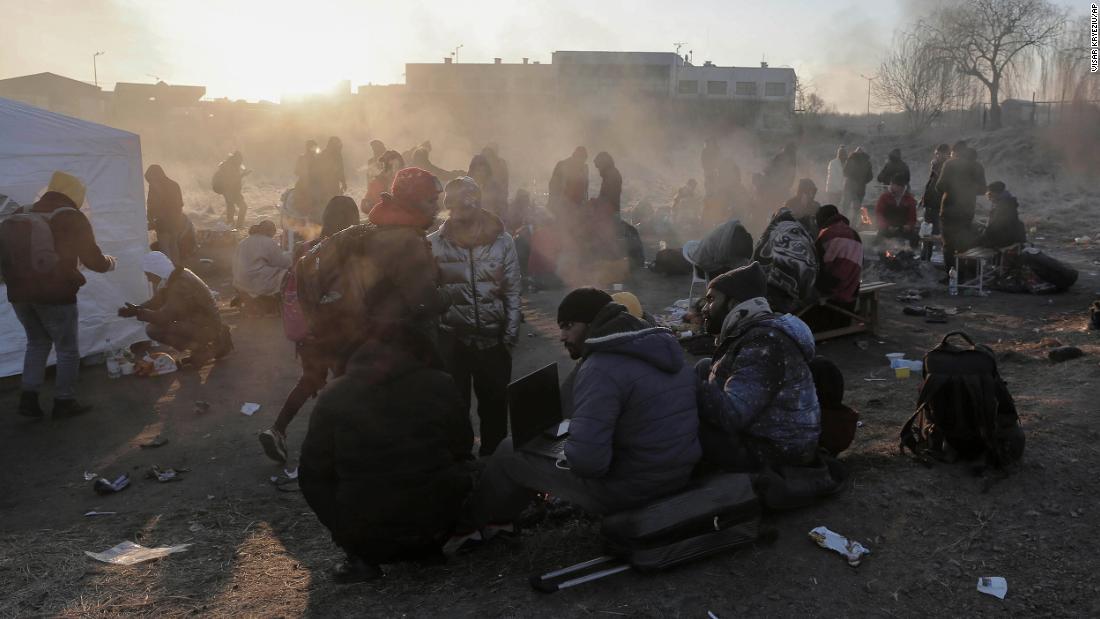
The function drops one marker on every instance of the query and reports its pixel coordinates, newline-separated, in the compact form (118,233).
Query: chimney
(496,60)
(447,60)
(524,61)
(763,65)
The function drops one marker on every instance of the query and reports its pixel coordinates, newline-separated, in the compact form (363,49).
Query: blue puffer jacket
(760,390)
(635,423)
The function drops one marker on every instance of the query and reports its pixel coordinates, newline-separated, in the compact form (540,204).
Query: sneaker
(274,444)
(354,570)
(28,404)
(63,409)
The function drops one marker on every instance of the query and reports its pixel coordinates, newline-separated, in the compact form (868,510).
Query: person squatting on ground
(182,312)
(260,265)
(386,462)
(164,208)
(317,356)
(480,272)
(45,301)
(840,258)
(961,181)
(757,404)
(634,431)
(227,182)
(896,213)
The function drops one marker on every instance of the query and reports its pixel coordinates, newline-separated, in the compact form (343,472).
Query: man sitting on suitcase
(757,404)
(634,433)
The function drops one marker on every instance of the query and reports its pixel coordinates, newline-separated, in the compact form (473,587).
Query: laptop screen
(534,404)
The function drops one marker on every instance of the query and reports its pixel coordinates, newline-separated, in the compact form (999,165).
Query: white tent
(33,144)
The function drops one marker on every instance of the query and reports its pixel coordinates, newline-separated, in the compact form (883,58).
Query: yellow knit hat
(633,305)
(69,185)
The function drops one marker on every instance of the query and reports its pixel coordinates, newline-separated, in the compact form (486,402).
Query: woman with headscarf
(316,357)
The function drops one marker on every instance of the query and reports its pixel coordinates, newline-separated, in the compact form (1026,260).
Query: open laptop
(534,411)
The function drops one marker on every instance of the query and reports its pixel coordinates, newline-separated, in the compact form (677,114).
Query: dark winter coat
(1005,227)
(635,425)
(611,189)
(894,166)
(74,241)
(961,182)
(386,463)
(165,202)
(931,199)
(481,276)
(760,389)
(184,298)
(857,173)
(840,254)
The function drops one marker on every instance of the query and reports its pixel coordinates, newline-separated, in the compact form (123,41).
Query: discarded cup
(902,372)
(993,585)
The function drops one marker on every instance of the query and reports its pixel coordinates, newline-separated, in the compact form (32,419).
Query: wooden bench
(864,318)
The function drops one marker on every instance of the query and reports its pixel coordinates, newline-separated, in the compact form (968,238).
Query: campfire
(903,260)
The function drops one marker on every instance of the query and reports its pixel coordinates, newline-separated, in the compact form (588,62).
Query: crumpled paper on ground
(129,553)
(851,550)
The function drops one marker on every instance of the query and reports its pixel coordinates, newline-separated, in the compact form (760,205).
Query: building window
(717,88)
(775,89)
(688,87)
(745,88)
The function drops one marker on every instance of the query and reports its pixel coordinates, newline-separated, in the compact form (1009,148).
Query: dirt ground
(259,551)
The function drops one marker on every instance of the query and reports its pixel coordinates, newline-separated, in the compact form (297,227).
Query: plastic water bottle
(114,370)
(953,282)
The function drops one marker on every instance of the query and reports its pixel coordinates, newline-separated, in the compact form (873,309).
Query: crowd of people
(398,322)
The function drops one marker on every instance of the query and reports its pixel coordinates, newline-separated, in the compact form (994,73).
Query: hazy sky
(256,49)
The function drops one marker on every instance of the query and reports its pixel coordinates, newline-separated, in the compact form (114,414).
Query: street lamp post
(95,69)
(869,80)
(454,54)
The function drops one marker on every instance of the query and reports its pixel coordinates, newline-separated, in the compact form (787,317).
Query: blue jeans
(50,326)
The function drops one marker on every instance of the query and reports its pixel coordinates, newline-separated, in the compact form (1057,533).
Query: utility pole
(869,80)
(95,69)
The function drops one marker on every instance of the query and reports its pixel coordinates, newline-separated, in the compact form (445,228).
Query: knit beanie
(413,185)
(742,284)
(465,191)
(582,305)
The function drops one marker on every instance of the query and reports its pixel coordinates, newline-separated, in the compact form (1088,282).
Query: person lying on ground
(840,256)
(757,404)
(480,272)
(633,437)
(896,213)
(786,252)
(1005,227)
(260,264)
(45,301)
(182,312)
(386,463)
(317,355)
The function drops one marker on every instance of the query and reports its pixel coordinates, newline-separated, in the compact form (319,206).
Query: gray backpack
(27,244)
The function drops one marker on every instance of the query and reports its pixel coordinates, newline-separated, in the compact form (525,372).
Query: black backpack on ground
(964,409)
(715,514)
(1050,270)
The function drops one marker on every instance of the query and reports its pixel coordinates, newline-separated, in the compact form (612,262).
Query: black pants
(235,203)
(488,371)
(957,238)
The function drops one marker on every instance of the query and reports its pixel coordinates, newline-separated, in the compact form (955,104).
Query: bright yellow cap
(69,185)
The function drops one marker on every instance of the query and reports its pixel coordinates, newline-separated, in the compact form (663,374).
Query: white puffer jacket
(482,277)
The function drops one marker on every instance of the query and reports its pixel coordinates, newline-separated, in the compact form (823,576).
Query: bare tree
(991,40)
(1065,67)
(918,80)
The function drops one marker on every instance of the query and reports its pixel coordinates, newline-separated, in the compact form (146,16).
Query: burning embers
(900,260)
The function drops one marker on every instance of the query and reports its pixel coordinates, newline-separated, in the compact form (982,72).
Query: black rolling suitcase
(716,514)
